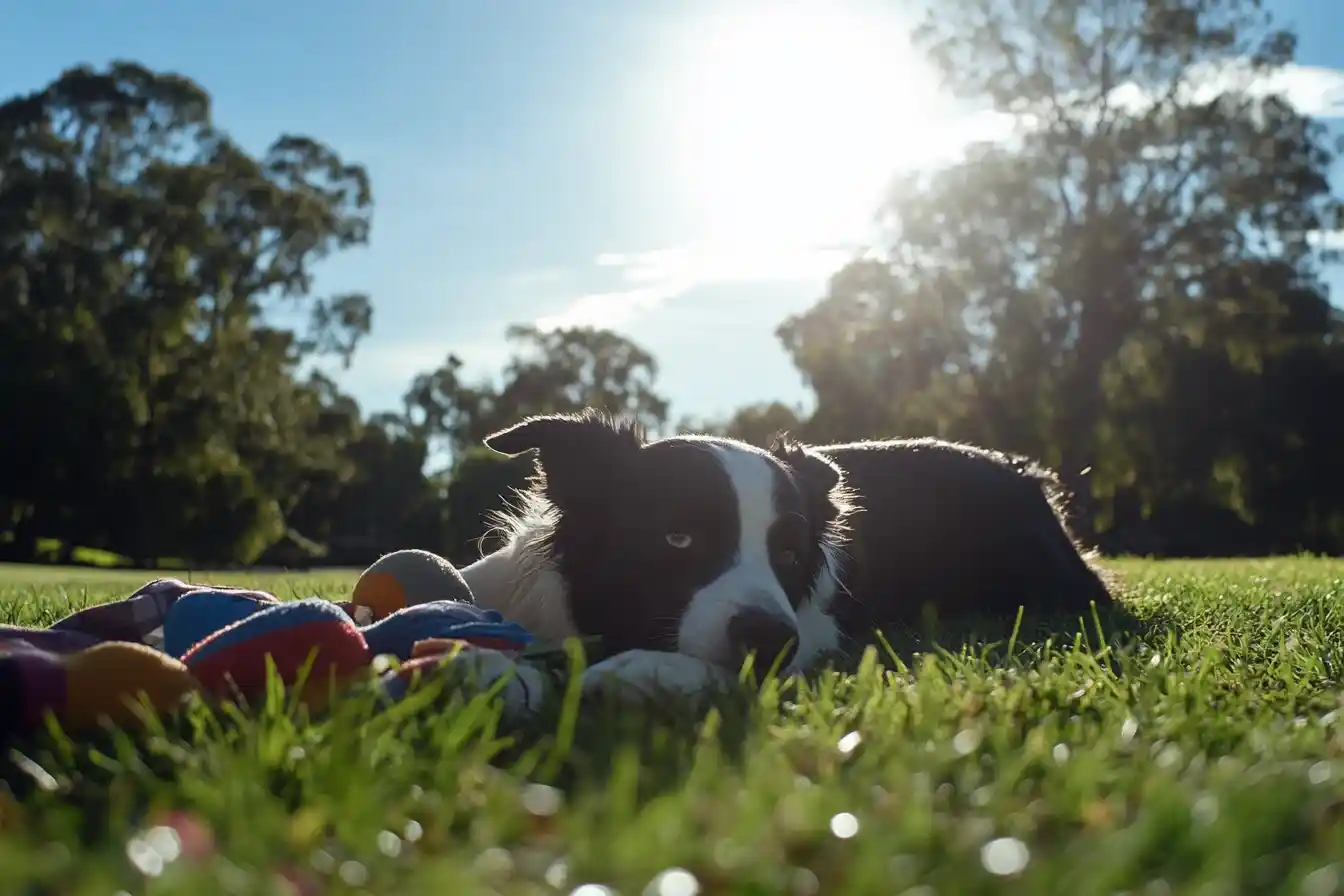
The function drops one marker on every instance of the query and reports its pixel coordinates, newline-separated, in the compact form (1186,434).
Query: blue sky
(585,161)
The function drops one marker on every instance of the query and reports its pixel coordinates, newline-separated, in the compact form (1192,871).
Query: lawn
(1197,748)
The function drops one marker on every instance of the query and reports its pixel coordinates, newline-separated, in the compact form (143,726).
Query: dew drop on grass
(844,825)
(966,741)
(557,874)
(146,860)
(592,890)
(494,862)
(1205,810)
(1169,756)
(154,850)
(389,844)
(673,882)
(849,742)
(1004,856)
(322,861)
(541,800)
(165,841)
(413,831)
(1324,881)
(353,873)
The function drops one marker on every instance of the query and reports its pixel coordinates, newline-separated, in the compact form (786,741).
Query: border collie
(684,555)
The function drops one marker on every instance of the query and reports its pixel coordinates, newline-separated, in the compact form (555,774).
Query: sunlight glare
(790,122)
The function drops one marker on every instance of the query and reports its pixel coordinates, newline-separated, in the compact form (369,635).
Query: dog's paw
(651,673)
(524,688)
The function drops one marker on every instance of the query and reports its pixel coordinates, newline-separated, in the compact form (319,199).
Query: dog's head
(697,545)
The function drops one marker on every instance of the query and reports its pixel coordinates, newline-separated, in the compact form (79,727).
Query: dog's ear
(824,493)
(576,453)
(816,471)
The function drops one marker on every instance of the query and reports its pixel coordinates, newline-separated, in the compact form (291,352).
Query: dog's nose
(768,635)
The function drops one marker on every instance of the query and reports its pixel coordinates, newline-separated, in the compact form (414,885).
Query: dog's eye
(678,540)
(787,557)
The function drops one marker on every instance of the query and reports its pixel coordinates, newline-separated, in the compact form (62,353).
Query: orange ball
(406,578)
(380,592)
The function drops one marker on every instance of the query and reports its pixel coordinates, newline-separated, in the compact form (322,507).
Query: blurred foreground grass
(1199,750)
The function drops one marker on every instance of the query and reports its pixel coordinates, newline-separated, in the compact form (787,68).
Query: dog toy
(198,614)
(141,617)
(222,642)
(399,633)
(407,578)
(102,682)
(235,659)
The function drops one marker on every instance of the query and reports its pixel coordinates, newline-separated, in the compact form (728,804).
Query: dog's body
(685,554)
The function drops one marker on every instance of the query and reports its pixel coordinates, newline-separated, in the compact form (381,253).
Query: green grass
(1196,749)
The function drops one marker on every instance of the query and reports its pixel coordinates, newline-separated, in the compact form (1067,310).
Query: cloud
(1311,89)
(380,363)
(609,309)
(647,279)
(653,277)
(1327,240)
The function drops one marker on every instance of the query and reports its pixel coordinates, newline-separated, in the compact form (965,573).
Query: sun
(789,121)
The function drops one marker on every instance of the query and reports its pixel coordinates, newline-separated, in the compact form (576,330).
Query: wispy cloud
(648,279)
(645,280)
(1328,240)
(387,365)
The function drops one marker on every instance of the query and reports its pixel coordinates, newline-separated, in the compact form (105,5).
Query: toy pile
(171,639)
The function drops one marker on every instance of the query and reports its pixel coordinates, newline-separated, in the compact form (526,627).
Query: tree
(755,424)
(1229,448)
(378,500)
(1149,178)
(142,254)
(551,371)
(480,484)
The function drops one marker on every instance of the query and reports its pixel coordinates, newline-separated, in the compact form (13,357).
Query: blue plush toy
(199,615)
(397,634)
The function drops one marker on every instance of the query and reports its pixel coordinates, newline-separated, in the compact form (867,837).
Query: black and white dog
(685,554)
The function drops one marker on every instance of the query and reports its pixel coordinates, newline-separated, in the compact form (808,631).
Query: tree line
(1129,289)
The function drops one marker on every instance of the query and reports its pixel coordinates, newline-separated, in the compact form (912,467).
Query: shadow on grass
(1107,633)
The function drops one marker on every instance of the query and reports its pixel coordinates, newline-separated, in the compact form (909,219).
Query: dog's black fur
(948,530)
(711,548)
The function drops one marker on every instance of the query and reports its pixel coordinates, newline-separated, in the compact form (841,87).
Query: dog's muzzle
(768,635)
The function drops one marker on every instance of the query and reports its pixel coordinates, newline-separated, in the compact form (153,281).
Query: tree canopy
(1130,288)
(1121,287)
